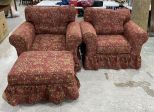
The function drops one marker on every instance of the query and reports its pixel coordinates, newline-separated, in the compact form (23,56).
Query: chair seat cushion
(112,44)
(42,67)
(48,42)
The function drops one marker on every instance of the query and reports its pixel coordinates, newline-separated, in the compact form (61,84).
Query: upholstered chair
(48,29)
(112,39)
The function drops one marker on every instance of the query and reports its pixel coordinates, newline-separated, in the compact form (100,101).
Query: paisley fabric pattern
(107,21)
(50,19)
(48,42)
(89,37)
(23,37)
(112,61)
(73,41)
(136,36)
(55,93)
(61,31)
(42,75)
(107,44)
(105,50)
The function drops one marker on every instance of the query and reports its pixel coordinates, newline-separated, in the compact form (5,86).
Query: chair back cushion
(50,20)
(107,21)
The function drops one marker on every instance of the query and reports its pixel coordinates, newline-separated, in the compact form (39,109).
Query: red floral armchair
(112,40)
(48,28)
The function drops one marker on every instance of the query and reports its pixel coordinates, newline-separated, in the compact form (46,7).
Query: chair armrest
(73,35)
(89,37)
(135,35)
(87,28)
(23,37)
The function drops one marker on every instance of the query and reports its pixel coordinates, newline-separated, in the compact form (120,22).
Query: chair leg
(20,2)
(11,13)
(6,13)
(15,5)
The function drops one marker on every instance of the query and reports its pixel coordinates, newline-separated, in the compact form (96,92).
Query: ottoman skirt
(55,93)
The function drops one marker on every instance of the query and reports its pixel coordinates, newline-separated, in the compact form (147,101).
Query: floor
(104,90)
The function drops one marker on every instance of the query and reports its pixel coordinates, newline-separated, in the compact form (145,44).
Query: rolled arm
(89,37)
(73,35)
(23,37)
(136,36)
(73,40)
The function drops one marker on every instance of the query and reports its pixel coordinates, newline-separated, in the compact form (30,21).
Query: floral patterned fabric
(73,40)
(55,93)
(89,37)
(50,19)
(107,21)
(107,44)
(48,42)
(30,38)
(23,37)
(42,75)
(105,50)
(112,61)
(136,36)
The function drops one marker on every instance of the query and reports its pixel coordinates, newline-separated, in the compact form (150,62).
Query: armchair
(112,40)
(48,28)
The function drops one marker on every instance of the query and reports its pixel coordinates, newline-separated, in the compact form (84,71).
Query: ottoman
(42,76)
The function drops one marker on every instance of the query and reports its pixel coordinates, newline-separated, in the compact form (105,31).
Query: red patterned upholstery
(107,21)
(107,44)
(42,75)
(45,42)
(54,22)
(136,36)
(112,39)
(48,28)
(23,37)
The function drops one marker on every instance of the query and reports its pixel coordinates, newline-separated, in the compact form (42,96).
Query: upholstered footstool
(42,76)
